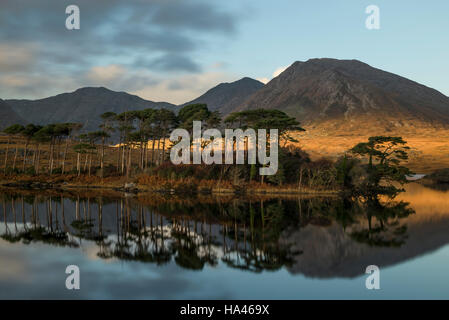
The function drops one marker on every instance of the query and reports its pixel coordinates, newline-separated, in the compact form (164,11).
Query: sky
(175,50)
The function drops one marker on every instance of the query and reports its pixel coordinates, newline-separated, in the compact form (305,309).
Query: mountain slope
(84,105)
(8,116)
(343,95)
(227,96)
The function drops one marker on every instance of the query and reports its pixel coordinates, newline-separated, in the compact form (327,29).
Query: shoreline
(119,185)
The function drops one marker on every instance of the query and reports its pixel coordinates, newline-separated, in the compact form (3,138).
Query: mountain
(84,105)
(345,256)
(350,96)
(228,96)
(8,116)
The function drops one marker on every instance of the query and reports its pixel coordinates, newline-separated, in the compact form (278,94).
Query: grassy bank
(147,183)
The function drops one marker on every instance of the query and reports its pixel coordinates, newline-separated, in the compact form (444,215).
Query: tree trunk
(15,157)
(119,149)
(163,149)
(158,152)
(33,162)
(7,151)
(152,151)
(128,167)
(25,155)
(65,155)
(85,163)
(90,163)
(145,155)
(51,157)
(38,159)
(78,163)
(58,151)
(141,154)
(123,159)
(102,157)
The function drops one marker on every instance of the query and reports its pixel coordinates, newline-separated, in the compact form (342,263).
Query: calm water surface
(156,247)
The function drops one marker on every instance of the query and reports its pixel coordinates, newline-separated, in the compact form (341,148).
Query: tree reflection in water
(194,232)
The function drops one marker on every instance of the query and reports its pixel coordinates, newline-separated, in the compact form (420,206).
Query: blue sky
(174,50)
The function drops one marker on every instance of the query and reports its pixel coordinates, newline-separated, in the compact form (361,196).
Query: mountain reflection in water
(318,237)
(326,238)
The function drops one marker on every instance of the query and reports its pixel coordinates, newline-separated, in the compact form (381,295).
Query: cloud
(106,73)
(16,57)
(32,86)
(117,40)
(184,88)
(220,65)
(276,73)
(117,77)
(13,81)
(174,88)
(145,38)
(195,16)
(263,80)
(174,62)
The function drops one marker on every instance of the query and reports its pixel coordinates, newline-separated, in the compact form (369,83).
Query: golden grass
(429,148)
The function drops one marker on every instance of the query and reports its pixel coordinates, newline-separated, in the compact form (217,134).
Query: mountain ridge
(84,105)
(341,94)
(227,96)
(8,116)
(328,95)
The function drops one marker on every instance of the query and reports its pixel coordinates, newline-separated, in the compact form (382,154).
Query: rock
(129,186)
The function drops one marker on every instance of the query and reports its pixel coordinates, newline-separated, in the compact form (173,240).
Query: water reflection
(252,234)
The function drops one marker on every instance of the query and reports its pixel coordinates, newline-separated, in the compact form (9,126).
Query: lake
(154,246)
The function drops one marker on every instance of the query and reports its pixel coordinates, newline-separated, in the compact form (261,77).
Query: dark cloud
(173,62)
(163,35)
(196,16)
(154,41)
